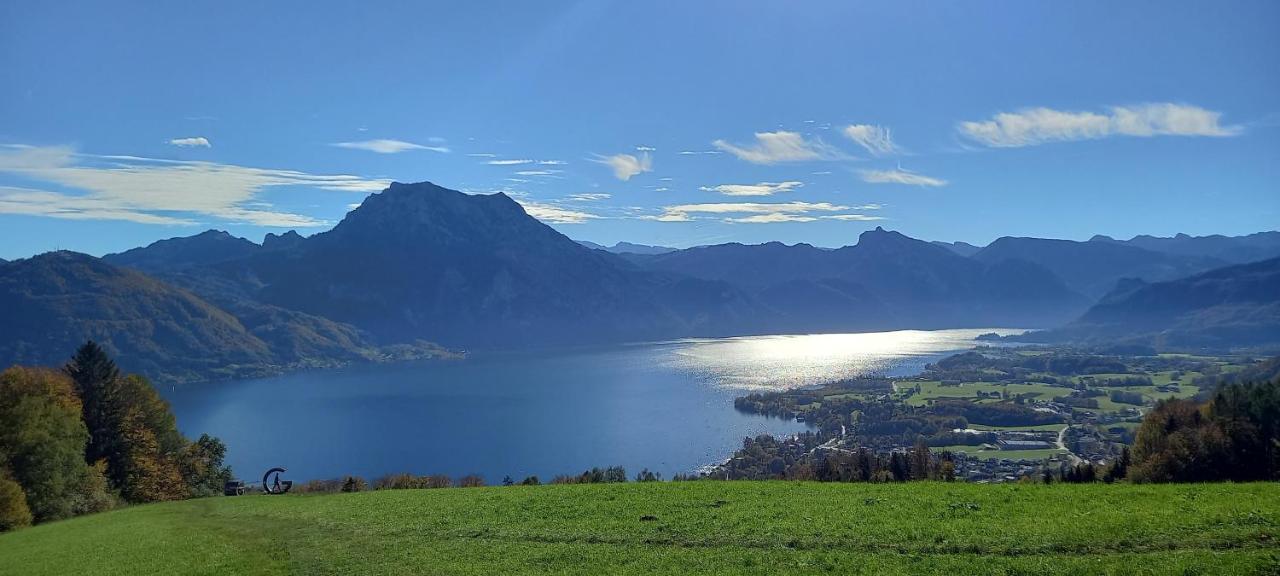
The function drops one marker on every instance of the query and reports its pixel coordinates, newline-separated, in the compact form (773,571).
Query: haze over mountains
(420,263)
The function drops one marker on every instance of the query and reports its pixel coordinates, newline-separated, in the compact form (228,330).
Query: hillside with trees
(88,438)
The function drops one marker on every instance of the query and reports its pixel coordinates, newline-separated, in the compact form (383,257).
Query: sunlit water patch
(789,361)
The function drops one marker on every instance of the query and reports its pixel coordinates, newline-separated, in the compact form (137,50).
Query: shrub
(354,484)
(470,481)
(14,513)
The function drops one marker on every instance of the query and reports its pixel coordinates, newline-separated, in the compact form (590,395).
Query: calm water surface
(667,406)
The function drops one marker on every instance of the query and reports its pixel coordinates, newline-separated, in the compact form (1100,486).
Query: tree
(149,475)
(920,460)
(1177,443)
(42,440)
(1119,469)
(97,382)
(201,466)
(14,512)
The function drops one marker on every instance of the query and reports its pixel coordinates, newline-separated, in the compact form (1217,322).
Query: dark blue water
(665,406)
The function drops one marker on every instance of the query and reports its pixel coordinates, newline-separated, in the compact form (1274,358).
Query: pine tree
(97,382)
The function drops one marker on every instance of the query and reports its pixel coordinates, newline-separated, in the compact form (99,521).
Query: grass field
(978,452)
(933,390)
(679,528)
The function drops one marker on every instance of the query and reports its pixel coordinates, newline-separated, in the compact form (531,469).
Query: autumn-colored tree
(150,475)
(1177,442)
(14,512)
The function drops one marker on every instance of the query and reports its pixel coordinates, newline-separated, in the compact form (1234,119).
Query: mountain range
(418,263)
(1233,306)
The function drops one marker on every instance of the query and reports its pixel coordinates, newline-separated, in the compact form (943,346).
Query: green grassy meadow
(679,528)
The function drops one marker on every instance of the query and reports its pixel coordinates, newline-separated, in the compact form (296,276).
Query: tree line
(1235,435)
(87,438)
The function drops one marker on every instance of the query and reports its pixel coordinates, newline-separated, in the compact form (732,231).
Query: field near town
(700,527)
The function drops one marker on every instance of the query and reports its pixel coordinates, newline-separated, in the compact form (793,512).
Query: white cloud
(781,146)
(590,196)
(646,149)
(157,191)
(771,218)
(538,172)
(626,165)
(688,212)
(759,189)
(899,176)
(555,214)
(192,142)
(697,152)
(482,155)
(1034,126)
(384,146)
(522,161)
(853,217)
(876,139)
(54,205)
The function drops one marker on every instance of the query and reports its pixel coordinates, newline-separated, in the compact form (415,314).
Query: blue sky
(665,123)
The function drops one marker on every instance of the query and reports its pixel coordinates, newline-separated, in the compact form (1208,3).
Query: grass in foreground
(685,528)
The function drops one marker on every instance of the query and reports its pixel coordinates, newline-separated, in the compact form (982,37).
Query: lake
(667,406)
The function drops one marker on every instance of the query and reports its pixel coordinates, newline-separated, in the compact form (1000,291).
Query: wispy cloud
(645,149)
(590,197)
(758,189)
(555,214)
(1033,126)
(853,217)
(781,146)
(509,162)
(482,155)
(626,165)
(156,191)
(875,139)
(698,152)
(192,142)
(899,176)
(742,211)
(771,218)
(538,172)
(384,146)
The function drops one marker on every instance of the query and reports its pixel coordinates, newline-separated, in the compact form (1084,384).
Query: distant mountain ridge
(1233,249)
(1093,268)
(418,262)
(889,280)
(627,248)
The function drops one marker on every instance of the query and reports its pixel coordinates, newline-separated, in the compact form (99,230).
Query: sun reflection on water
(782,362)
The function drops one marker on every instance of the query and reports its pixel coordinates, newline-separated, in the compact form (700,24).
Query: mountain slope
(205,248)
(421,261)
(1093,268)
(1231,306)
(53,302)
